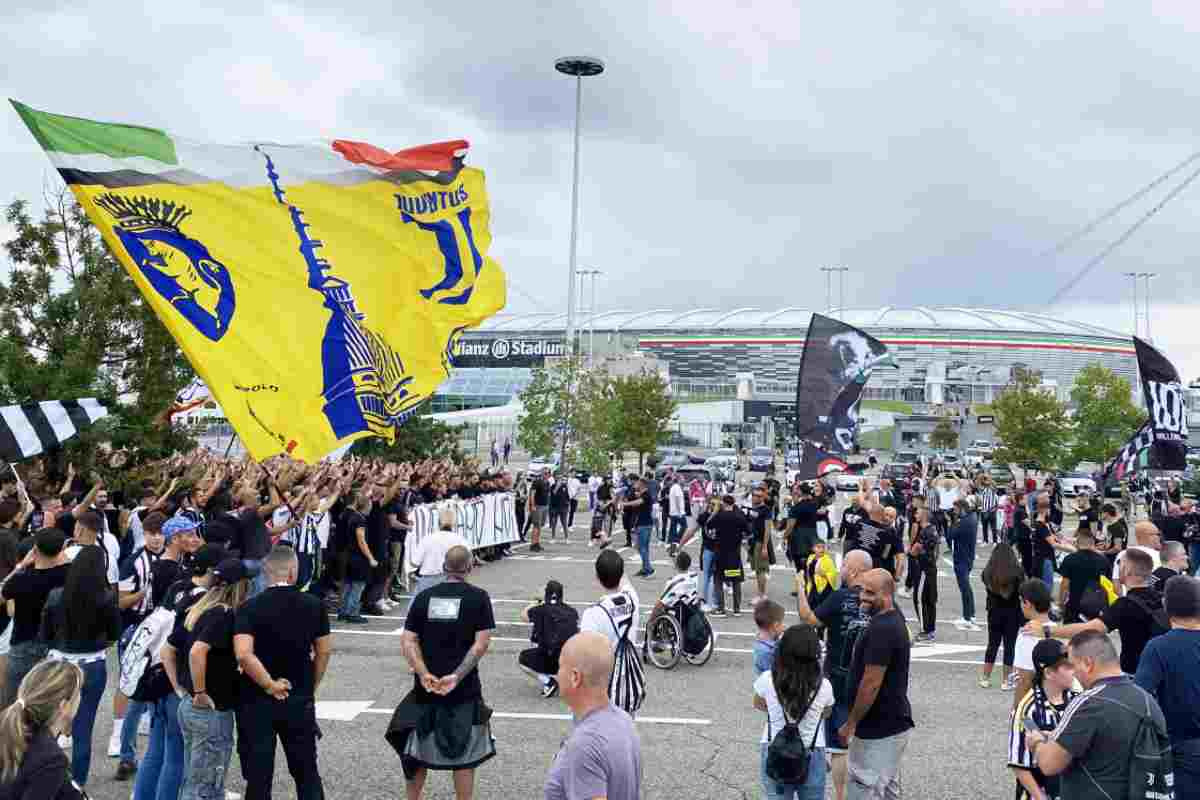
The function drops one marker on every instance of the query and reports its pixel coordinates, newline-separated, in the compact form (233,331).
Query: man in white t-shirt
(618,608)
(1035,605)
(1149,541)
(88,527)
(429,556)
(574,490)
(593,486)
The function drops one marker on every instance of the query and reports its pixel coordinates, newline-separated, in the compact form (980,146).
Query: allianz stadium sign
(507,352)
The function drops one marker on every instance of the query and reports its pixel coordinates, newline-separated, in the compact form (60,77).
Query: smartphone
(1032,727)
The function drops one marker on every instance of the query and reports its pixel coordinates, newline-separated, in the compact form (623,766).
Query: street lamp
(592,318)
(1134,276)
(579,67)
(1148,276)
(829,286)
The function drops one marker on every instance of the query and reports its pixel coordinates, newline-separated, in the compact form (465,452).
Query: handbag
(787,756)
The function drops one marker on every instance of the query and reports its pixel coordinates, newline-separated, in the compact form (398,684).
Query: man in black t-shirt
(880,719)
(253,539)
(539,507)
(40,572)
(1080,571)
(282,643)
(1132,615)
(447,631)
(1174,562)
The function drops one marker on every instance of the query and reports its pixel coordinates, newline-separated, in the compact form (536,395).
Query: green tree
(644,410)
(1032,424)
(944,436)
(417,439)
(550,403)
(73,324)
(597,421)
(1105,416)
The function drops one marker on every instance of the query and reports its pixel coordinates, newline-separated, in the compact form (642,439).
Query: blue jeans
(133,715)
(811,789)
(1194,558)
(708,586)
(161,770)
(352,599)
(95,677)
(1047,573)
(962,572)
(207,748)
(678,526)
(643,533)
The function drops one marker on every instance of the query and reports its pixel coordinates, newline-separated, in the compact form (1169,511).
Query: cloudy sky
(935,150)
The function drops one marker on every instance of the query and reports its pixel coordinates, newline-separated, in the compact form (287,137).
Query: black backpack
(695,632)
(559,623)
(1151,764)
(787,756)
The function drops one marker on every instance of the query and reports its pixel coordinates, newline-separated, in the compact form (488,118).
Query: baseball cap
(177,525)
(231,570)
(208,557)
(1048,653)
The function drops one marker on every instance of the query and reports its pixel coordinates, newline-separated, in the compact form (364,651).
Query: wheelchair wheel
(701,658)
(664,642)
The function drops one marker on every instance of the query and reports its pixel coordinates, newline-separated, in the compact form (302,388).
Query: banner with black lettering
(483,521)
(837,362)
(1163,390)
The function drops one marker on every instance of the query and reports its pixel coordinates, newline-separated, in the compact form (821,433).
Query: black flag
(836,363)
(1163,391)
(817,463)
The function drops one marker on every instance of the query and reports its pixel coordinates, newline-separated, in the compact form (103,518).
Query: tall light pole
(579,67)
(841,271)
(1134,276)
(1148,276)
(828,288)
(592,318)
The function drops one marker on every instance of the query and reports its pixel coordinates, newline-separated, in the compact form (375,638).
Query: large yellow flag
(317,290)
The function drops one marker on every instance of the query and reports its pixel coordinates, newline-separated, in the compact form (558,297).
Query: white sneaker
(960,623)
(64,742)
(114,743)
(972,625)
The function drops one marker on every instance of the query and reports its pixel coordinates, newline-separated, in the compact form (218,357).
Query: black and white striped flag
(32,428)
(1126,460)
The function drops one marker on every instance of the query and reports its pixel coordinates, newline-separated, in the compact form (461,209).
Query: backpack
(627,686)
(1159,622)
(695,632)
(1098,596)
(1151,764)
(142,675)
(787,756)
(559,623)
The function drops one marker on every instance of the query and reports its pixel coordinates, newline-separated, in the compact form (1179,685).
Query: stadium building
(947,355)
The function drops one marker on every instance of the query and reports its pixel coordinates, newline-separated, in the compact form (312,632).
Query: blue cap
(177,525)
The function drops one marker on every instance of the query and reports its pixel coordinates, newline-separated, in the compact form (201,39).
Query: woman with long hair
(32,765)
(80,622)
(1002,578)
(795,691)
(209,672)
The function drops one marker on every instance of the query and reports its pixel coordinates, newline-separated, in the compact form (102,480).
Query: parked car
(981,444)
(536,465)
(761,458)
(1073,483)
(677,439)
(896,472)
(727,451)
(976,457)
(906,457)
(1000,474)
(671,458)
(723,467)
(950,460)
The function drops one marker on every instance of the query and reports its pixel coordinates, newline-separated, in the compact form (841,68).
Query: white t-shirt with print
(594,618)
(1023,652)
(764,687)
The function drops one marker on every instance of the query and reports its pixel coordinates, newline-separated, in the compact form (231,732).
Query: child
(768,617)
(681,588)
(820,575)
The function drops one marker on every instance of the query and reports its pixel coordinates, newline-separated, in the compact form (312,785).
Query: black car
(896,472)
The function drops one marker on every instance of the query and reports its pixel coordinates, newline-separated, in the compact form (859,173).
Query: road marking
(350,710)
(342,710)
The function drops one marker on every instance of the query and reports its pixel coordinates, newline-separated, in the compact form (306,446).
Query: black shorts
(536,659)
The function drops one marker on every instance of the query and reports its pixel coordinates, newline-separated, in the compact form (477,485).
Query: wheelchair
(664,644)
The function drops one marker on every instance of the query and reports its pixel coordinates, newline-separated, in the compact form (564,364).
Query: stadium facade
(946,354)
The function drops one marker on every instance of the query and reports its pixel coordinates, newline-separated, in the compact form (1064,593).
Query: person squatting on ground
(553,623)
(443,723)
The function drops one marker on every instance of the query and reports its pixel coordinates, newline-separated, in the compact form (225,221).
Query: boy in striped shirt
(1041,709)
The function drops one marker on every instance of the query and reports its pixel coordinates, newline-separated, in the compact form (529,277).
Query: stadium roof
(891,317)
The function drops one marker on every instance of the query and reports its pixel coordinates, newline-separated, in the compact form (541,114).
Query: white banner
(484,522)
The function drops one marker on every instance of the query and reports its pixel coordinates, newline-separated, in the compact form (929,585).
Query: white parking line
(568,717)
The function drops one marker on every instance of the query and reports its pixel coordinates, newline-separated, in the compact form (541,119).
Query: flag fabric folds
(837,362)
(33,428)
(317,290)
(817,463)
(1161,442)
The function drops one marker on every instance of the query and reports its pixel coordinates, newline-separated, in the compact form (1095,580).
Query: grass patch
(895,406)
(880,439)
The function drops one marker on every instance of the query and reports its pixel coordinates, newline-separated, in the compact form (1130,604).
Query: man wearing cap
(429,556)
(26,588)
(550,618)
(282,644)
(1041,708)
(1169,669)
(443,723)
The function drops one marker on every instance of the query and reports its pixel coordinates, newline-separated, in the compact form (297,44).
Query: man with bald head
(880,720)
(1149,541)
(602,758)
(843,619)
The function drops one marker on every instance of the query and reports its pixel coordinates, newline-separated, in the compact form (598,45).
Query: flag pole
(20,483)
